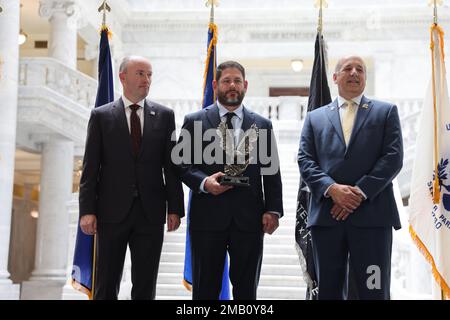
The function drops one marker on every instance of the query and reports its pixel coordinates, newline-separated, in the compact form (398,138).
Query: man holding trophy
(230,162)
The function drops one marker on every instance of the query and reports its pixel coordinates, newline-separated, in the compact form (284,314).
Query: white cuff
(202,186)
(362,193)
(325,194)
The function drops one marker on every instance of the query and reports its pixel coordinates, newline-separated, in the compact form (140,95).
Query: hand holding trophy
(237,159)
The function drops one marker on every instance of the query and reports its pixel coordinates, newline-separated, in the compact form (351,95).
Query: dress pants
(209,248)
(145,242)
(369,251)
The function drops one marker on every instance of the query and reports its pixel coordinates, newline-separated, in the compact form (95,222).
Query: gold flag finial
(435,3)
(320,4)
(212,3)
(104,7)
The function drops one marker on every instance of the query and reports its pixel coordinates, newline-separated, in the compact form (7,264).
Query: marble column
(9,69)
(49,274)
(62,15)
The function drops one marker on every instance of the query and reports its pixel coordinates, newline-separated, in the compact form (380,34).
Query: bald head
(350,77)
(342,61)
(128,59)
(135,73)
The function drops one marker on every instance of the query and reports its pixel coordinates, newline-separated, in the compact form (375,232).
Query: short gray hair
(126,60)
(339,63)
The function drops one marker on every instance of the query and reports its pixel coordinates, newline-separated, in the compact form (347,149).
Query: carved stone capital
(48,8)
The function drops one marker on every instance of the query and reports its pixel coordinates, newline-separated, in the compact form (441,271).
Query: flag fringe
(94,262)
(79,287)
(212,27)
(187,285)
(303,266)
(105,28)
(437,276)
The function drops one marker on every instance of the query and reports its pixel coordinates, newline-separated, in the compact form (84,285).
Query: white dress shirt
(236,121)
(342,103)
(140,112)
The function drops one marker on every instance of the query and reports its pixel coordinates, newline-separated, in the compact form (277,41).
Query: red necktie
(135,123)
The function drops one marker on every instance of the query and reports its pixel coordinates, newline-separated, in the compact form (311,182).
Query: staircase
(280,274)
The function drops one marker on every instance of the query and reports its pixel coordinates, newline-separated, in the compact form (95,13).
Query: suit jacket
(245,205)
(372,159)
(111,174)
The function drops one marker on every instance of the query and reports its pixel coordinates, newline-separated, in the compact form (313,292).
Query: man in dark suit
(229,218)
(350,151)
(128,184)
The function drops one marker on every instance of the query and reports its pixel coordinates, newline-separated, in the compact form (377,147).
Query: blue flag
(208,99)
(84,255)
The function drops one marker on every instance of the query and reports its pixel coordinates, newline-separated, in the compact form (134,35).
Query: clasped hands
(346,200)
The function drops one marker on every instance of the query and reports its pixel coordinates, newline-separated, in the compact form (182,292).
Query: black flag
(319,95)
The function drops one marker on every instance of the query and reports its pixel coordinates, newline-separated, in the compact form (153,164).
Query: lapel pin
(152,113)
(365,106)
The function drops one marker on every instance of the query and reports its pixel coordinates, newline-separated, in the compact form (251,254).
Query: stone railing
(50,73)
(82,89)
(274,108)
(409,112)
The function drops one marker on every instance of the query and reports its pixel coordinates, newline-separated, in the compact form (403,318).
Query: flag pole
(320,4)
(104,7)
(435,21)
(436,187)
(211,3)
(435,18)
(436,193)
(212,44)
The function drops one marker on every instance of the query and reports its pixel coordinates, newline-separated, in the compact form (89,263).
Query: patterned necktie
(348,119)
(135,124)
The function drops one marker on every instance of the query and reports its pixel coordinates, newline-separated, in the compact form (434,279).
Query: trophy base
(234,181)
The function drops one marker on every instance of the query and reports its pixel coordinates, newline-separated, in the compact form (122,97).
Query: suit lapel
(212,113)
(150,114)
(333,115)
(248,120)
(118,112)
(363,111)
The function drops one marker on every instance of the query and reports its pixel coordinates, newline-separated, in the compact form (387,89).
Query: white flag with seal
(429,203)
